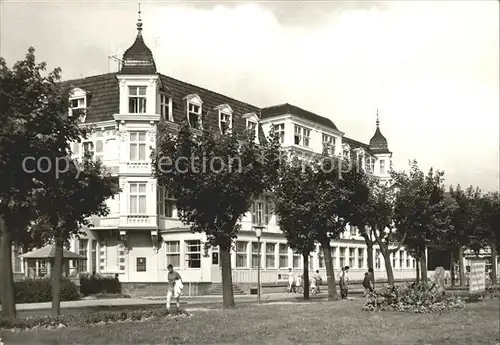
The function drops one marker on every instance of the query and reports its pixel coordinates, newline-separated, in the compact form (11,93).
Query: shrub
(93,318)
(417,298)
(96,284)
(36,290)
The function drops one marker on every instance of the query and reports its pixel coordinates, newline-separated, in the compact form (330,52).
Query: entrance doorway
(216,266)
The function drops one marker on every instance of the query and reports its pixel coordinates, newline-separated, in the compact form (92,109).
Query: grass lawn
(339,322)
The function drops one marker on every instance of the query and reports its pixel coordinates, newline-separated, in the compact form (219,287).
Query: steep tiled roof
(103,96)
(378,143)
(179,89)
(354,144)
(286,108)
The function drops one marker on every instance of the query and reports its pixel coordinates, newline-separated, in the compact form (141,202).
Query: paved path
(189,303)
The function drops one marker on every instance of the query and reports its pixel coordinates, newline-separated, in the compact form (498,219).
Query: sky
(431,68)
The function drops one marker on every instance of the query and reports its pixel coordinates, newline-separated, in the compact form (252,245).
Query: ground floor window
(352,257)
(393,256)
(193,254)
(255,254)
(270,255)
(321,258)
(342,256)
(173,250)
(297,260)
(283,255)
(377,258)
(334,256)
(401,259)
(83,250)
(241,254)
(361,257)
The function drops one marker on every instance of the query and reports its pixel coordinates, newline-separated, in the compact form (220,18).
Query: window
(121,257)
(241,254)
(224,122)
(88,148)
(141,264)
(94,255)
(173,249)
(382,166)
(414,263)
(194,115)
(283,255)
(346,153)
(333,251)
(328,144)
(401,259)
(75,147)
(302,136)
(193,254)
(408,263)
(99,145)
(297,260)
(137,199)
(393,256)
(77,107)
(137,99)
(321,258)
(353,230)
(138,147)
(261,211)
(352,257)
(377,258)
(280,130)
(255,254)
(166,203)
(252,126)
(83,250)
(166,108)
(361,257)
(342,257)
(215,256)
(371,165)
(270,255)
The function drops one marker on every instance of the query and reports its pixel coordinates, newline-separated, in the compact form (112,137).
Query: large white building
(142,234)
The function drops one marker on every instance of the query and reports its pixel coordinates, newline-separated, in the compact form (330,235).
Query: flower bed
(95,318)
(416,298)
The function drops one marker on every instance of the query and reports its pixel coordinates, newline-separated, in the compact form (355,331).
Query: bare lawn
(340,322)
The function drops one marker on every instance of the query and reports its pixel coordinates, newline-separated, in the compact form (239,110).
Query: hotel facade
(142,233)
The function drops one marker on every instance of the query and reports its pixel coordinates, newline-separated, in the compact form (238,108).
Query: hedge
(36,290)
(97,284)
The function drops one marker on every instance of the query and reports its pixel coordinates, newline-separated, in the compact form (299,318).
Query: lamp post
(258,232)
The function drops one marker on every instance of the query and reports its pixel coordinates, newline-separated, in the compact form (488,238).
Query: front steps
(216,289)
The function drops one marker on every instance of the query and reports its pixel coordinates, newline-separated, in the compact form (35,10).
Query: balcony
(135,168)
(138,221)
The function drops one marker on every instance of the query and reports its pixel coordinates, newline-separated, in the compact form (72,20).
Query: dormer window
(194,115)
(137,99)
(328,144)
(225,118)
(280,130)
(346,153)
(88,148)
(252,126)
(78,103)
(193,105)
(302,136)
(166,108)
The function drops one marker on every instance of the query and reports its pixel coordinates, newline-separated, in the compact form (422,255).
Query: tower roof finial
(377,122)
(139,20)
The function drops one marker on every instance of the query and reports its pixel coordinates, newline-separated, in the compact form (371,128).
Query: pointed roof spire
(138,59)
(139,20)
(378,143)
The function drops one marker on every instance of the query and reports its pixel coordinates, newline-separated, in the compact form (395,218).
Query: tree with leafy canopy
(465,222)
(295,208)
(489,225)
(33,123)
(214,179)
(66,203)
(423,211)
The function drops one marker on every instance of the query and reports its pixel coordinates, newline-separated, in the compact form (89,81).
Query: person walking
(291,281)
(367,284)
(174,288)
(317,280)
(371,275)
(344,282)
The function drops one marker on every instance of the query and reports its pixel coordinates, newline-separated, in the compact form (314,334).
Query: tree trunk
(227,278)
(56,276)
(461,266)
(452,266)
(388,267)
(330,275)
(369,248)
(305,282)
(494,268)
(7,283)
(423,267)
(417,261)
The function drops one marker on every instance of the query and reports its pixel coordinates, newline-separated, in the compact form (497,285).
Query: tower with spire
(380,148)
